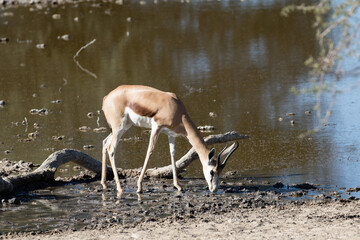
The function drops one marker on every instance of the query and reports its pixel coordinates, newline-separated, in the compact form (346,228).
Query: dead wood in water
(46,172)
(191,155)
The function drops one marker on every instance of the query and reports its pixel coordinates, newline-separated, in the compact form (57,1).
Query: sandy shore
(312,220)
(244,209)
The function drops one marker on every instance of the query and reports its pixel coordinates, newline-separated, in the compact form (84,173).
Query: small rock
(280,119)
(76,19)
(84,128)
(87,147)
(34,111)
(278,185)
(58,138)
(56,16)
(304,186)
(33,135)
(76,168)
(212,114)
(43,111)
(4,40)
(357,189)
(58,101)
(206,128)
(7,151)
(2,102)
(90,115)
(308,112)
(100,129)
(65,37)
(8,14)
(15,201)
(290,114)
(292,122)
(41,45)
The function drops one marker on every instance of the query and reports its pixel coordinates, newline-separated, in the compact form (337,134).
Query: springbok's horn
(227,151)
(218,163)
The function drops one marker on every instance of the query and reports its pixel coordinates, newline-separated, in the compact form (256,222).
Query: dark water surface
(236,59)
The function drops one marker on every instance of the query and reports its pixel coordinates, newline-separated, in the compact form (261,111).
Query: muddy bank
(12,3)
(244,208)
(78,206)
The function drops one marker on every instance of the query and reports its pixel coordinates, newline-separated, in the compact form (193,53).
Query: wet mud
(80,203)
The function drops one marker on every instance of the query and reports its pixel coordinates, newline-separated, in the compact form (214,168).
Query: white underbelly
(137,120)
(145,122)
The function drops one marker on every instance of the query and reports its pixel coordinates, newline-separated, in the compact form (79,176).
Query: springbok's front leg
(155,130)
(173,163)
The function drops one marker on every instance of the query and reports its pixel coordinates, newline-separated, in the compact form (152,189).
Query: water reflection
(235,59)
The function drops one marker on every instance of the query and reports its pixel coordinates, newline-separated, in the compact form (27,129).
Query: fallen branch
(46,172)
(191,155)
(77,62)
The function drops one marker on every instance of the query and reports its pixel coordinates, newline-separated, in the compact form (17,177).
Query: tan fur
(166,111)
(165,107)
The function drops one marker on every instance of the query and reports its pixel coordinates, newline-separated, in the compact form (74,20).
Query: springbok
(142,106)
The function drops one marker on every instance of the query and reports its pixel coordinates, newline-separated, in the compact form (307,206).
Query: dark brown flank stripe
(142,111)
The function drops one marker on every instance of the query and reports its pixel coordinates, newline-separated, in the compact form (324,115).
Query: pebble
(41,45)
(90,115)
(84,128)
(76,168)
(58,138)
(87,147)
(7,14)
(290,114)
(33,135)
(58,101)
(42,111)
(100,129)
(15,201)
(278,185)
(357,189)
(206,128)
(56,16)
(292,122)
(212,114)
(65,37)
(306,186)
(2,102)
(4,40)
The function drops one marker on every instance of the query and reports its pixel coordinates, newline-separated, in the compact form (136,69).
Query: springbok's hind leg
(106,143)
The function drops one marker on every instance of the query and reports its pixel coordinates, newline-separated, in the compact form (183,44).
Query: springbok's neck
(195,139)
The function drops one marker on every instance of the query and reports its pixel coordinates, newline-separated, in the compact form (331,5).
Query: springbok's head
(215,165)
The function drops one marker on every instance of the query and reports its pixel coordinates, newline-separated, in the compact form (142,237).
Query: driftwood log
(46,171)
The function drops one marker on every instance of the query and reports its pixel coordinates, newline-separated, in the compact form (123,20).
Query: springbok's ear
(211,155)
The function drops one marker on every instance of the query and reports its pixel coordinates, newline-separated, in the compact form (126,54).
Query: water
(237,59)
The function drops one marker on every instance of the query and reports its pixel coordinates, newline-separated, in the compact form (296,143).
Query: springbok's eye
(212,173)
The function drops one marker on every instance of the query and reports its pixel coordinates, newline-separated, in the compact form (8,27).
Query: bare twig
(77,62)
